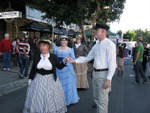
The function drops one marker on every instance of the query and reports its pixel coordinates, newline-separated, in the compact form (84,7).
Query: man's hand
(134,63)
(68,59)
(65,60)
(107,84)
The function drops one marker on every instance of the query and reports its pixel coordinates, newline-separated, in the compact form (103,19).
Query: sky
(136,15)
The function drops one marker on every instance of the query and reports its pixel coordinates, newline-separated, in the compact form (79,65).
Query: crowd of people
(60,68)
(140,57)
(140,60)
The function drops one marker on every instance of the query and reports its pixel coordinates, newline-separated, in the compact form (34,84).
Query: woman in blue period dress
(67,74)
(45,93)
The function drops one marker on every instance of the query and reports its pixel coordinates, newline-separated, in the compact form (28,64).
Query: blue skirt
(69,83)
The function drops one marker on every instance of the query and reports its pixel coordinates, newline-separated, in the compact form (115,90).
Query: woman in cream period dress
(81,68)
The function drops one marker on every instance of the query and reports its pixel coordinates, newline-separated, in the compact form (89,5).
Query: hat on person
(79,36)
(102,26)
(63,37)
(47,41)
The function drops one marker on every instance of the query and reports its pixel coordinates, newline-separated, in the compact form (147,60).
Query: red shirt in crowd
(6,45)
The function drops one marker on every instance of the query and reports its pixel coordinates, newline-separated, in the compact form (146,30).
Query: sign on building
(36,15)
(10,14)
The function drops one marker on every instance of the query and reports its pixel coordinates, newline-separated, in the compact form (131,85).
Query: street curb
(10,87)
(10,71)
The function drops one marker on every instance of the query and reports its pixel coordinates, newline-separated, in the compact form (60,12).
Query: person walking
(17,53)
(104,55)
(24,49)
(121,59)
(45,93)
(81,69)
(5,50)
(67,74)
(138,63)
(145,57)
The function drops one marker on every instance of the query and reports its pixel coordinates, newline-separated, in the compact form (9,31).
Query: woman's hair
(64,38)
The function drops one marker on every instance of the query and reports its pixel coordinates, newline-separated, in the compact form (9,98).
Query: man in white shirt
(104,55)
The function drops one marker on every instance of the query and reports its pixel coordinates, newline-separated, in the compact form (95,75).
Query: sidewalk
(10,81)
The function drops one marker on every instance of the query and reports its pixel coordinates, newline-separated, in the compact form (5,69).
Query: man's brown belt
(105,69)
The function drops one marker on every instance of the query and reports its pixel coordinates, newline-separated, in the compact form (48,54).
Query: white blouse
(77,45)
(44,62)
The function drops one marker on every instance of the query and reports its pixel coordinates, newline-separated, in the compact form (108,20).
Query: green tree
(144,34)
(146,38)
(120,33)
(75,11)
(110,10)
(130,34)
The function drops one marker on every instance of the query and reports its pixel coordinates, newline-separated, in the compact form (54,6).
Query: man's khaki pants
(100,94)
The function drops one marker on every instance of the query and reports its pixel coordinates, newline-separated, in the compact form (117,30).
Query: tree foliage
(143,33)
(130,34)
(120,33)
(76,11)
(110,10)
(134,34)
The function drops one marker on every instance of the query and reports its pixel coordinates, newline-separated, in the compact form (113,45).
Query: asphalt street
(124,97)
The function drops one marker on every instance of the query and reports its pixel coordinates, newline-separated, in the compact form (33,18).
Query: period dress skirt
(120,61)
(67,77)
(81,73)
(45,95)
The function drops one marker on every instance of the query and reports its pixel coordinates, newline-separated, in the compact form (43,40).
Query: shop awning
(34,26)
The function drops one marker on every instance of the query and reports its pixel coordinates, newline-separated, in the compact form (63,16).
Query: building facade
(11,25)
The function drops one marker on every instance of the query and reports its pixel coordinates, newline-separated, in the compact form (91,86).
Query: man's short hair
(145,43)
(140,39)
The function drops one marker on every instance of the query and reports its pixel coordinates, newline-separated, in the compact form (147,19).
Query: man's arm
(137,56)
(111,52)
(81,59)
(86,59)
(28,48)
